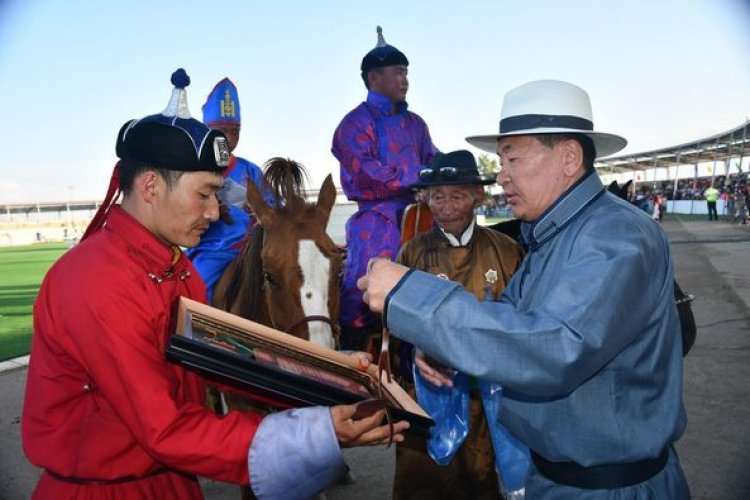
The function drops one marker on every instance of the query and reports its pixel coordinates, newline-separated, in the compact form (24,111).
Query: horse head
(301,265)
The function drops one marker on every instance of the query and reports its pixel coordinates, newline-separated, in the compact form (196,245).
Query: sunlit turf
(22,269)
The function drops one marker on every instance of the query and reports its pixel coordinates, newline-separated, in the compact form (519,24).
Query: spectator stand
(683,172)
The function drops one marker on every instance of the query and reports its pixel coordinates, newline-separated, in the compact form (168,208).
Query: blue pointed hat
(382,55)
(222,105)
(172,139)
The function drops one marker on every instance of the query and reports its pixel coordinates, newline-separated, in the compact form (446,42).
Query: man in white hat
(585,339)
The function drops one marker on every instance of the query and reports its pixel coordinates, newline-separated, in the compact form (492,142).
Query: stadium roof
(733,143)
(60,206)
(722,147)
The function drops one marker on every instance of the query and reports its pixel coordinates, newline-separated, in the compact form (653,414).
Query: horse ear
(327,196)
(263,213)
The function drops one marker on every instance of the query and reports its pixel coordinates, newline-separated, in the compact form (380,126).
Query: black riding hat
(457,167)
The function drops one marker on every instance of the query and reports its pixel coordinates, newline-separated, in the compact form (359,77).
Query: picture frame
(280,369)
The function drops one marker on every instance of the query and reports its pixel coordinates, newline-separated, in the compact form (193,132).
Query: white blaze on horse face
(316,270)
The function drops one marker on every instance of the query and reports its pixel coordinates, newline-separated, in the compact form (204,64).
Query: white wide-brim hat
(548,107)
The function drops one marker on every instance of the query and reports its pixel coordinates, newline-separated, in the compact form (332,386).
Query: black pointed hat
(173,139)
(382,55)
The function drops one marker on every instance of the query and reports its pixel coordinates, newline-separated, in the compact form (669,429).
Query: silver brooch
(491,276)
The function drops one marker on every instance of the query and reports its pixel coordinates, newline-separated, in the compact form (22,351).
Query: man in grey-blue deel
(585,339)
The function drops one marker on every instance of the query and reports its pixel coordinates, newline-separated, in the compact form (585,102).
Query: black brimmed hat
(172,139)
(457,167)
(381,56)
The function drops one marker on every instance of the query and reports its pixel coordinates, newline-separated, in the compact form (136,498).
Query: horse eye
(269,278)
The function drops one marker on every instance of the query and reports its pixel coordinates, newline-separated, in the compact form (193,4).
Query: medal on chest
(490,277)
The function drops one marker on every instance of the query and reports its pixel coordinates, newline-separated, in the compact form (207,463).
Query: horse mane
(248,275)
(286,178)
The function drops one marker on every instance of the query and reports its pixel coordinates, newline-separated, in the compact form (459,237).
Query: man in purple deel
(381,148)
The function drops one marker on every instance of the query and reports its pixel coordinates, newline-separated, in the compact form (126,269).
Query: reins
(384,363)
(314,317)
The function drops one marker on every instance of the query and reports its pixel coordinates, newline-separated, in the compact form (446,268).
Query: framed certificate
(280,367)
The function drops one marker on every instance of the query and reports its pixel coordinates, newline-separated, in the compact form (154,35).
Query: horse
(288,273)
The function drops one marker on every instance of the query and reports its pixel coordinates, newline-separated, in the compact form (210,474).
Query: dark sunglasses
(427,174)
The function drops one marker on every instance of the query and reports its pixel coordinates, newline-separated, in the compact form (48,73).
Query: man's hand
(363,359)
(382,275)
(366,431)
(432,371)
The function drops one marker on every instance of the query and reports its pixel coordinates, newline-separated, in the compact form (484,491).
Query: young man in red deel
(105,414)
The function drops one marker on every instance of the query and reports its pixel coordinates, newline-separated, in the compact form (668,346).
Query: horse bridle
(315,317)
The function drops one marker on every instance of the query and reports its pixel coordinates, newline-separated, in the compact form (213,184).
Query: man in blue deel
(585,339)
(224,239)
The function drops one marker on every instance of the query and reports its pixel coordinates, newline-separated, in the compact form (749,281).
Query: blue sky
(72,72)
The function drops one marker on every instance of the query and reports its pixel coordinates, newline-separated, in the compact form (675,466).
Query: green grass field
(22,269)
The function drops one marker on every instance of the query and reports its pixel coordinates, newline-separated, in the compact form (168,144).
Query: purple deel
(381,148)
